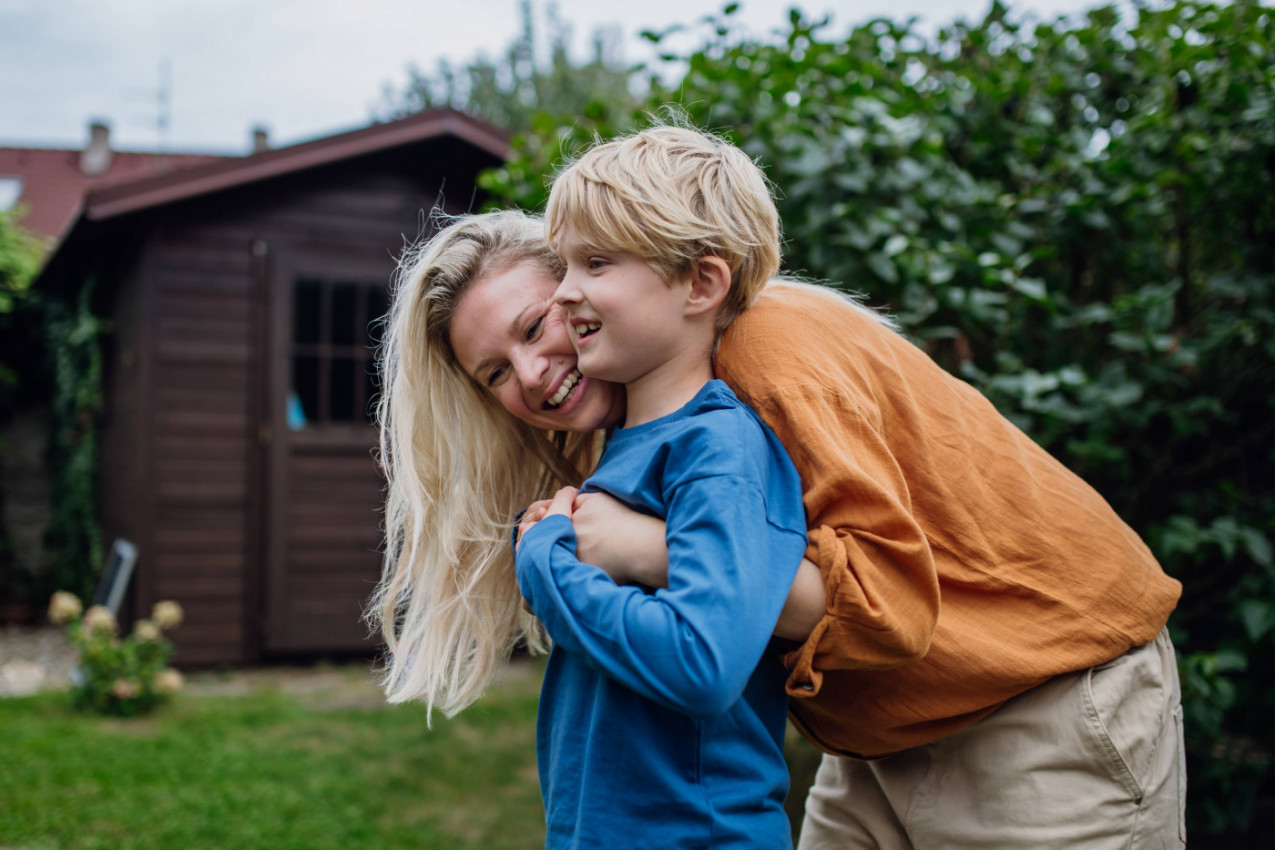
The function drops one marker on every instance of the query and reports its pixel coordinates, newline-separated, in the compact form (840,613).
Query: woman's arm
(630,548)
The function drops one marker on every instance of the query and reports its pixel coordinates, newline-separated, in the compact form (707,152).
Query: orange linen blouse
(963,564)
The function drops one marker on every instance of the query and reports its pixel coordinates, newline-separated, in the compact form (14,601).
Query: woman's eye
(494,376)
(534,328)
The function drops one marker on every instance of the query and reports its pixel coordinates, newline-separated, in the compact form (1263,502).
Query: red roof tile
(53,184)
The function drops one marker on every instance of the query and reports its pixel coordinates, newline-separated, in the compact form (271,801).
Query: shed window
(333,335)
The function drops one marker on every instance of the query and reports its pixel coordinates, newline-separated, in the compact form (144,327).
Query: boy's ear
(710,281)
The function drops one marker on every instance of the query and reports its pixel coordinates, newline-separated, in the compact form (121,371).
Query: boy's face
(625,320)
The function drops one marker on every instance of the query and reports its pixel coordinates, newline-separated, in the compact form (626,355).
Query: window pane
(342,398)
(344,313)
(307,313)
(303,401)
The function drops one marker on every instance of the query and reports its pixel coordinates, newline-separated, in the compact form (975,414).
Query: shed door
(323,491)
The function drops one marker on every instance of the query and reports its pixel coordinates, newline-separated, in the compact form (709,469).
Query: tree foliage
(511,90)
(20,253)
(1076,216)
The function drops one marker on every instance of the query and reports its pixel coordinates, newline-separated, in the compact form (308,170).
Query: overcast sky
(309,68)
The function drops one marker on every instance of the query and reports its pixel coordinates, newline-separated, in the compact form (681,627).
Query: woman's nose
(530,368)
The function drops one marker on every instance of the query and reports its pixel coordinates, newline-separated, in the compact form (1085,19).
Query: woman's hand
(627,545)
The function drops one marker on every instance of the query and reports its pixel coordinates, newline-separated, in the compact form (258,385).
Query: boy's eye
(596,262)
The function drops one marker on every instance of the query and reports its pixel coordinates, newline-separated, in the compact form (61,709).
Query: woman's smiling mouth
(564,390)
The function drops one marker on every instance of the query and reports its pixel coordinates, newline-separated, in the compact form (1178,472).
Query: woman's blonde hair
(671,195)
(459,467)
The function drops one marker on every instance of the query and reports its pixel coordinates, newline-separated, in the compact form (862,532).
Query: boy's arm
(629,547)
(693,645)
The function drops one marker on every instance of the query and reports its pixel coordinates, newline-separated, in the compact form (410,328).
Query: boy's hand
(538,510)
(562,502)
(532,515)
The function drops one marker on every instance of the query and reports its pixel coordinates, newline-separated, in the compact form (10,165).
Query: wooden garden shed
(236,444)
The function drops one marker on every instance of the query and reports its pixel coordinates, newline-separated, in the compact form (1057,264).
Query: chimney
(96,158)
(260,139)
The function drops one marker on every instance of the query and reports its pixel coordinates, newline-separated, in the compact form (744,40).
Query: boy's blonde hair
(459,468)
(671,195)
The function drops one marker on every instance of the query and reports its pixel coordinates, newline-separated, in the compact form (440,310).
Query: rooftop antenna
(163,95)
(164,100)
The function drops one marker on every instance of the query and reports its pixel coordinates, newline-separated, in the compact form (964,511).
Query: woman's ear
(710,280)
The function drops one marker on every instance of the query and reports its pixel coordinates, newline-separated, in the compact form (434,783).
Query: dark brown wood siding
(268,538)
(122,467)
(200,392)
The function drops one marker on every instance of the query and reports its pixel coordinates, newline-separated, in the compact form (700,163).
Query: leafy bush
(19,258)
(1076,216)
(73,335)
(20,253)
(122,676)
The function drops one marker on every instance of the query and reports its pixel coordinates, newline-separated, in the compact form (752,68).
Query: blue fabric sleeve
(693,645)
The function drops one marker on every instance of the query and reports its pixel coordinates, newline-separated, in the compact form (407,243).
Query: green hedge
(1077,217)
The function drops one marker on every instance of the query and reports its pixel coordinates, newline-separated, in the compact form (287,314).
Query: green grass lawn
(271,768)
(322,763)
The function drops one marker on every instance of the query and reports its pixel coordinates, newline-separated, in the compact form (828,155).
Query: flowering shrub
(123,676)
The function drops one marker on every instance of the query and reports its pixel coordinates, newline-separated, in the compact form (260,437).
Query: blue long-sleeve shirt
(662,713)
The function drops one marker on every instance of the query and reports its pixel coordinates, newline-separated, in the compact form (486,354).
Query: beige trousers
(1091,760)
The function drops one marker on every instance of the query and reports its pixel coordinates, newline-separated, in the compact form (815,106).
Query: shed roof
(115,200)
(54,181)
(104,205)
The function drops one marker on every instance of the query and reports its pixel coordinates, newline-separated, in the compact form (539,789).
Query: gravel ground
(34,658)
(39,658)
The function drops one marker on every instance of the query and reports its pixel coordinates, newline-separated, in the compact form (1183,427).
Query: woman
(976,590)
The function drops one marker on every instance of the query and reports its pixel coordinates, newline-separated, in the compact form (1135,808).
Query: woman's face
(510,337)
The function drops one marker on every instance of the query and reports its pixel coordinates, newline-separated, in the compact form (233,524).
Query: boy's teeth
(565,389)
(587,328)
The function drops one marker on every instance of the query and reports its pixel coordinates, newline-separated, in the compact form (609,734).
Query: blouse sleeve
(879,574)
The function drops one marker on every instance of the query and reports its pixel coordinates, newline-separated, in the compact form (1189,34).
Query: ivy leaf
(1258,546)
(1257,616)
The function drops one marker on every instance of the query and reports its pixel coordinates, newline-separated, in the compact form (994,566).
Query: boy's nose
(568,292)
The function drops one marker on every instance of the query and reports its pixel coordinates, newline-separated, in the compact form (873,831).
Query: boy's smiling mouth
(584,330)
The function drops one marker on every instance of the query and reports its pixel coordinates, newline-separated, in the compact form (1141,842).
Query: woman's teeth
(564,389)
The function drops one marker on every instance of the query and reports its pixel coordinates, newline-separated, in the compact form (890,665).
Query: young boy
(662,712)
